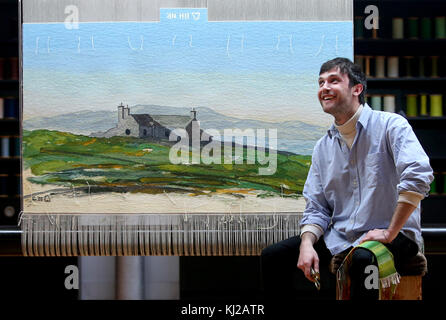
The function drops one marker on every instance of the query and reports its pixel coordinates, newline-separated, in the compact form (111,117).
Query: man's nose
(326,86)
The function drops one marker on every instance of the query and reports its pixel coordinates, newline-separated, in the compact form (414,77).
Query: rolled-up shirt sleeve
(317,211)
(411,161)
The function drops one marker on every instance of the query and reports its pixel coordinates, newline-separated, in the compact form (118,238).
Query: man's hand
(381,235)
(308,256)
(402,212)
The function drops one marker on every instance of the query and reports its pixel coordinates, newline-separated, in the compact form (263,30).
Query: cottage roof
(143,119)
(172,121)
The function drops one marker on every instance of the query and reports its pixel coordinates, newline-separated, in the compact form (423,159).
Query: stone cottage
(158,127)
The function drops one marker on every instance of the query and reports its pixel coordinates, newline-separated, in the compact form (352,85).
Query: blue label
(184,15)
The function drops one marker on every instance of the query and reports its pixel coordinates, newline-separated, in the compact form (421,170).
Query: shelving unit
(400,41)
(10,198)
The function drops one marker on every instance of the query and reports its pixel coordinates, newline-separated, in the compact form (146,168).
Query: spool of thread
(9,211)
(10,108)
(359,27)
(2,108)
(380,63)
(411,105)
(392,67)
(3,186)
(426,28)
(397,28)
(359,60)
(436,101)
(444,182)
(375,29)
(434,67)
(409,66)
(18,185)
(2,68)
(367,66)
(14,68)
(389,103)
(375,101)
(440,27)
(412,27)
(433,189)
(442,66)
(17,147)
(423,105)
(421,66)
(5,147)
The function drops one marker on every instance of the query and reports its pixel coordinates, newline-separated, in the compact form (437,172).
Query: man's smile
(328,97)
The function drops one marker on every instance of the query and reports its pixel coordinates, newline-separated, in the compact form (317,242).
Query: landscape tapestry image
(177,116)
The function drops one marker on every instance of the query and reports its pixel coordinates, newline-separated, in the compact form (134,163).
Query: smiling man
(367,178)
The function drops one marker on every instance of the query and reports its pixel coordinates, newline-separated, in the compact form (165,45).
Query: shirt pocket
(374,169)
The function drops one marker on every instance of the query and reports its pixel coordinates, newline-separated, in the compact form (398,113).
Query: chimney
(120,112)
(193,114)
(126,111)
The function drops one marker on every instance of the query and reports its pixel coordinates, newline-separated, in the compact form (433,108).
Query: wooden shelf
(399,47)
(408,85)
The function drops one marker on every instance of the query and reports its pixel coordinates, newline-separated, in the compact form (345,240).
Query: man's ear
(357,89)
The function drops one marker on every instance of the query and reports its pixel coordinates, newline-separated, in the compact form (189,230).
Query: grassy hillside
(126,164)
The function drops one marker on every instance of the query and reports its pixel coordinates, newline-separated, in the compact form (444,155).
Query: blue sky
(244,69)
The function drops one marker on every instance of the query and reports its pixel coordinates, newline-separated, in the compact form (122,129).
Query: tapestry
(179,115)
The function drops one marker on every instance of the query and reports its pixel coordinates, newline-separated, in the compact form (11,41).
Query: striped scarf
(388,276)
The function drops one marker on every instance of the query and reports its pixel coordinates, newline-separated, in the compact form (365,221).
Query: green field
(126,164)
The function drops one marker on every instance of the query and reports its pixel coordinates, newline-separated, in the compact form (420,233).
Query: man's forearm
(308,238)
(402,213)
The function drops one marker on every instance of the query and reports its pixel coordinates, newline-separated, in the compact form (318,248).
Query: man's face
(335,95)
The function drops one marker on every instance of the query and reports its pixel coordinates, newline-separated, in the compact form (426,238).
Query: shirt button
(357,203)
(352,162)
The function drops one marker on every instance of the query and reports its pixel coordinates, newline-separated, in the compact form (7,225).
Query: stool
(411,274)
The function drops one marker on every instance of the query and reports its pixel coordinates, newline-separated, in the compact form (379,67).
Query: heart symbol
(196,15)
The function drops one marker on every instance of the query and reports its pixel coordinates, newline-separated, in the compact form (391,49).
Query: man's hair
(354,72)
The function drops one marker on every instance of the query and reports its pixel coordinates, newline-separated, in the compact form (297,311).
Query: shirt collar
(363,120)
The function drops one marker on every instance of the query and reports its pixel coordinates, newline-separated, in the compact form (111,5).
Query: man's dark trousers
(279,267)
